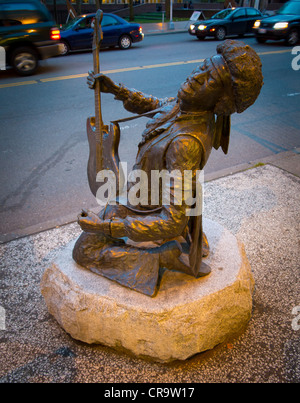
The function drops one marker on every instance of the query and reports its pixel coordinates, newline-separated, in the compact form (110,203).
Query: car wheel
(260,40)
(65,48)
(125,42)
(24,61)
(292,38)
(220,34)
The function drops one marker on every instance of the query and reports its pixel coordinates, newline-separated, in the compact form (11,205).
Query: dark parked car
(231,21)
(284,25)
(78,33)
(28,34)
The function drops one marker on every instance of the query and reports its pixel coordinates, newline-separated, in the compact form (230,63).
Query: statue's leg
(129,266)
(132,266)
(170,253)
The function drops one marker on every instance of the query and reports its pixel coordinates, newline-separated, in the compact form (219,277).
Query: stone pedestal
(187,316)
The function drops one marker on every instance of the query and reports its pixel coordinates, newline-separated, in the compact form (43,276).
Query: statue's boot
(171,257)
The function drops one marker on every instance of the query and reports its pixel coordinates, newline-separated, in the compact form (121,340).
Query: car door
(112,30)
(238,23)
(252,16)
(82,37)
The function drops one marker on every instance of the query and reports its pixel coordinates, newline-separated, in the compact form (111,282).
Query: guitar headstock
(99,16)
(98,34)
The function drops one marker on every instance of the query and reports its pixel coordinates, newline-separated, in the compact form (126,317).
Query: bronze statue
(131,243)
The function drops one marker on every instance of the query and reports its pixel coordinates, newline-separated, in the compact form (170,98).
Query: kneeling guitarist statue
(129,243)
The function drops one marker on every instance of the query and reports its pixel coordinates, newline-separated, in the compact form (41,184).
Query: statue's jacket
(173,141)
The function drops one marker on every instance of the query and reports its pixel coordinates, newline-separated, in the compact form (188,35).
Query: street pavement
(259,203)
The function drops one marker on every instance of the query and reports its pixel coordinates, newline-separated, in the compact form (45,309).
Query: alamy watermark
(152,189)
(296,59)
(296,319)
(2,58)
(2,318)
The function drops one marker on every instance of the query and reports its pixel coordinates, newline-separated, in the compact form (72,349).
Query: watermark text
(2,58)
(154,188)
(296,319)
(296,59)
(2,318)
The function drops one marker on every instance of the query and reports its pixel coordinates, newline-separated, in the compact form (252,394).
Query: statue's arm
(133,100)
(138,102)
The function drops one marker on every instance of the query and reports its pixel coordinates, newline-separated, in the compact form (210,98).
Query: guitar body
(110,153)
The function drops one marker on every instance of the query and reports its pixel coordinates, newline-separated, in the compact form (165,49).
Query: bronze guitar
(103,140)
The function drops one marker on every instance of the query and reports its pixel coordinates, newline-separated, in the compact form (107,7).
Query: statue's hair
(245,68)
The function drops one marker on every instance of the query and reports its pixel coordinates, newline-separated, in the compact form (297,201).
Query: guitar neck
(98,113)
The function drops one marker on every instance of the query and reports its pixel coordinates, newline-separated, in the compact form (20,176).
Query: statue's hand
(90,222)
(91,81)
(106,84)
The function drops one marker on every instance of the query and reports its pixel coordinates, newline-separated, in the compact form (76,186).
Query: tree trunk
(167,6)
(131,11)
(55,10)
(98,4)
(78,6)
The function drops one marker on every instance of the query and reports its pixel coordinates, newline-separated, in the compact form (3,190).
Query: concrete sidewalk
(261,207)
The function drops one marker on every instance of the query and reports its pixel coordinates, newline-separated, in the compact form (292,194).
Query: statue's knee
(80,247)
(87,247)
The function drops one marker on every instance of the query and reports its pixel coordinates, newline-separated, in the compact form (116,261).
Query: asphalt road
(44,148)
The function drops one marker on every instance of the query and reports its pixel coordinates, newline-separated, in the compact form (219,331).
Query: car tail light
(55,34)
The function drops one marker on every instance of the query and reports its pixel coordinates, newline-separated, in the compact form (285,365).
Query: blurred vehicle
(231,21)
(28,34)
(78,33)
(284,25)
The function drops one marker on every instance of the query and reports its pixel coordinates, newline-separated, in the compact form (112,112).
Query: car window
(292,8)
(85,23)
(6,22)
(71,23)
(20,13)
(222,14)
(251,12)
(239,14)
(109,20)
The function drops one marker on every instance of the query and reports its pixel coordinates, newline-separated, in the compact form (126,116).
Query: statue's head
(226,83)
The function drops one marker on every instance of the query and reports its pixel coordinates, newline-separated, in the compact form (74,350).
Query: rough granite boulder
(187,316)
